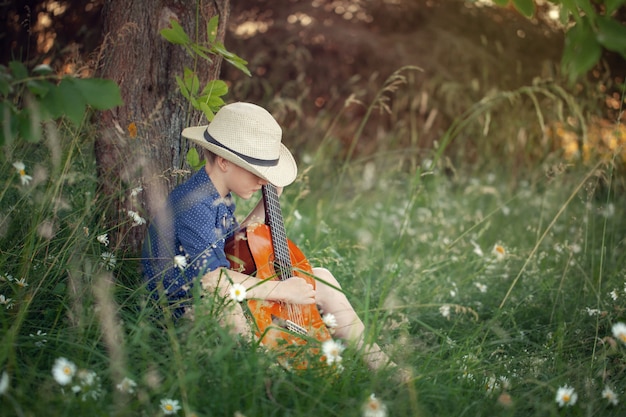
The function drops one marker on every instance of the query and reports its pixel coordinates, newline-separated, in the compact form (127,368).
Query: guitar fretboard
(274,219)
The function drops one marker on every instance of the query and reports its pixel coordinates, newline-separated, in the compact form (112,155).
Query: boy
(185,242)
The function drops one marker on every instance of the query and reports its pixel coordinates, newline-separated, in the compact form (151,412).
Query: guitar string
(281,249)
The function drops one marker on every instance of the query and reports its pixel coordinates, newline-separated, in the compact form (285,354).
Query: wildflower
(619,331)
(610,395)
(108,260)
(127,385)
(374,407)
(135,191)
(169,406)
(445,310)
(88,384)
(481,287)
(477,250)
(21,283)
(40,335)
(238,292)
(593,311)
(137,219)
(566,396)
(6,277)
(104,239)
(20,167)
(180,261)
(330,321)
(8,302)
(498,251)
(63,371)
(614,295)
(332,350)
(4,383)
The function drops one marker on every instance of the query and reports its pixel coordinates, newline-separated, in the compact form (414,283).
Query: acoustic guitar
(264,251)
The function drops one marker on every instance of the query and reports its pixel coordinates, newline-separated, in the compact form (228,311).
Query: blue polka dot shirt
(194,224)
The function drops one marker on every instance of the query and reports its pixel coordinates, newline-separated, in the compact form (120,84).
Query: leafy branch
(207,99)
(29,98)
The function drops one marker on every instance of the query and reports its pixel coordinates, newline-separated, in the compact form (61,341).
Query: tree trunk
(139,144)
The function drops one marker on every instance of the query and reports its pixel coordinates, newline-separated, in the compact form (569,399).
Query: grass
(485,332)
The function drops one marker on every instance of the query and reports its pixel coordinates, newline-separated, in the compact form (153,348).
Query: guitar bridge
(289,325)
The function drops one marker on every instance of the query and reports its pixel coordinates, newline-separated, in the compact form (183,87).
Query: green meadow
(501,289)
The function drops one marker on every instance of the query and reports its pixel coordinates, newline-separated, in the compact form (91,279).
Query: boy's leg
(349,325)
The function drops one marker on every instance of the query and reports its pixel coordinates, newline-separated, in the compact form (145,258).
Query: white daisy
(21,170)
(238,292)
(169,406)
(127,385)
(330,321)
(332,350)
(180,261)
(477,250)
(135,191)
(137,219)
(8,302)
(108,260)
(619,331)
(445,310)
(104,239)
(498,251)
(22,283)
(566,396)
(63,371)
(374,407)
(610,395)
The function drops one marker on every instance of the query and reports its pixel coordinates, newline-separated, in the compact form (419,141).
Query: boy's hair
(209,156)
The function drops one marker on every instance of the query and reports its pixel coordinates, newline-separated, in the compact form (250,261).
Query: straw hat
(248,136)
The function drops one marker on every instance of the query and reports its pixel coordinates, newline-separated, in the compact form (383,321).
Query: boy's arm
(294,290)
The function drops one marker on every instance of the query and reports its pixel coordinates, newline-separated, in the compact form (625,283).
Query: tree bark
(139,144)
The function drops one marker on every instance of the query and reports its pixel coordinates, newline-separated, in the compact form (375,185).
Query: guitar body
(277,325)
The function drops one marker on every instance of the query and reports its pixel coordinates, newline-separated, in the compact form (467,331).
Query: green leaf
(73,101)
(175,34)
(211,29)
(39,87)
(18,70)
(206,109)
(52,104)
(101,94)
(5,81)
(182,87)
(29,124)
(8,128)
(234,60)
(581,52)
(193,159)
(585,6)
(611,34)
(201,51)
(215,87)
(526,7)
(613,5)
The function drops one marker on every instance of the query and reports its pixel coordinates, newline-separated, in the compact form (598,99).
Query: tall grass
(495,296)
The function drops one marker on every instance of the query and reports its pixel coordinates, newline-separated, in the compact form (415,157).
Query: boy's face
(242,182)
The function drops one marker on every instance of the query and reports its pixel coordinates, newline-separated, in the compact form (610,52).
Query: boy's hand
(296,290)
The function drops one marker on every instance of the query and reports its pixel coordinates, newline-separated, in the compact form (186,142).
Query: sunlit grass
(501,296)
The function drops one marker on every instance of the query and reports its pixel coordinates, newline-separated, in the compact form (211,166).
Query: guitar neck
(274,220)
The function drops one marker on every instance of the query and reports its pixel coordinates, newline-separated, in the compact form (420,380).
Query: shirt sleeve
(201,238)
